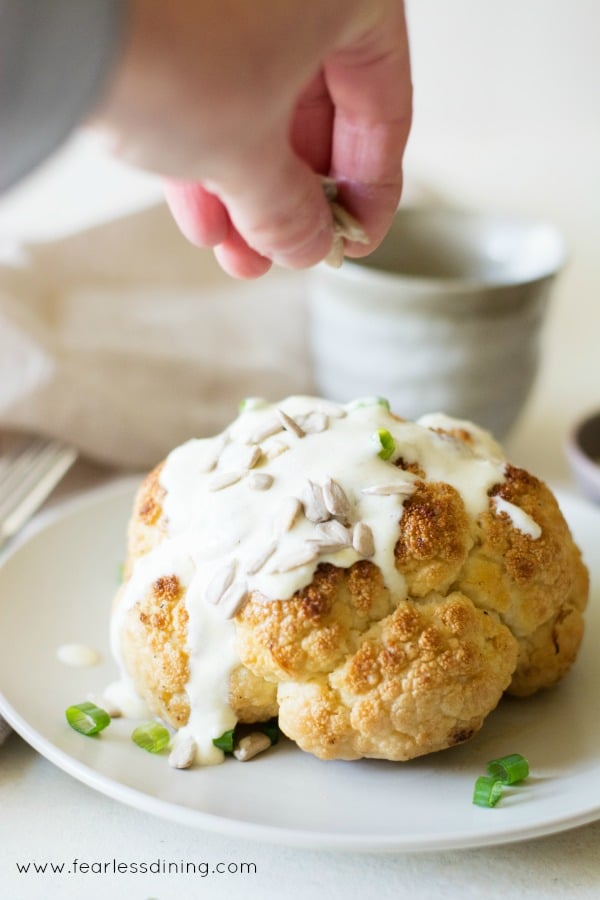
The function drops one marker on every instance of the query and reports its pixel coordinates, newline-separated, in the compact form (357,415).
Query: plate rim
(116,491)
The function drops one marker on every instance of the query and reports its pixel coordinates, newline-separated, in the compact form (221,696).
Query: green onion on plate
(505,770)
(151,736)
(87,718)
(509,769)
(225,742)
(271,729)
(487,791)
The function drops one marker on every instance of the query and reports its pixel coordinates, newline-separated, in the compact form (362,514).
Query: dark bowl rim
(578,451)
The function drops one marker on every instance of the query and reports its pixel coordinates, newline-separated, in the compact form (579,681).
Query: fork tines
(29,470)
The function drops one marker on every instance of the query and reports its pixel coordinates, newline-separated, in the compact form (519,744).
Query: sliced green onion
(87,718)
(509,769)
(249,403)
(271,729)
(225,742)
(487,791)
(361,402)
(151,736)
(385,441)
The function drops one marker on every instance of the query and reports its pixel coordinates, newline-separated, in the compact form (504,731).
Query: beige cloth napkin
(125,340)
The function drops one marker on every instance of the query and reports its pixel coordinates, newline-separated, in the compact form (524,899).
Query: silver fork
(30,467)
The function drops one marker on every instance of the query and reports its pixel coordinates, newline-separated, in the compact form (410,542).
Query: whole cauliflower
(410,577)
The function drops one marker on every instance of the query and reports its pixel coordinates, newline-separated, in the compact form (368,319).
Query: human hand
(242,106)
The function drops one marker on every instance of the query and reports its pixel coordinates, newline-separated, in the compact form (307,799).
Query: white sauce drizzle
(123,696)
(211,529)
(521,520)
(78,655)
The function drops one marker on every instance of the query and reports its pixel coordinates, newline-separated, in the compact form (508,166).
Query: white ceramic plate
(57,587)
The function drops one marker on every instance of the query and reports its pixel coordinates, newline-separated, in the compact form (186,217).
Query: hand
(243,104)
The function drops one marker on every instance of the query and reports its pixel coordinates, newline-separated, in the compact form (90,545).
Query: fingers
(312,122)
(200,215)
(352,121)
(276,202)
(204,221)
(238,259)
(370,85)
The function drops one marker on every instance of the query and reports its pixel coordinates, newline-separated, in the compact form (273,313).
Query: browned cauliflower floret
(435,539)
(353,666)
(538,588)
(422,679)
(154,638)
(147,525)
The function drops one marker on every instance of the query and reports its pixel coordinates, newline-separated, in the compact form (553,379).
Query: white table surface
(48,816)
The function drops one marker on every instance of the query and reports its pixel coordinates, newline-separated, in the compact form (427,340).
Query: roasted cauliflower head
(377,584)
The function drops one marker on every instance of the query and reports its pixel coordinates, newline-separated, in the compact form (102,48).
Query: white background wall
(507,105)
(505,67)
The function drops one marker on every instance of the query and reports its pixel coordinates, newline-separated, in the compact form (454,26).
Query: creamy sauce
(78,655)
(122,696)
(521,520)
(225,537)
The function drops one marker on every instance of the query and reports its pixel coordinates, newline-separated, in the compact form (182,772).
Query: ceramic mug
(445,316)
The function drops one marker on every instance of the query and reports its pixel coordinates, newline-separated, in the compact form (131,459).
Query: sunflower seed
(275,449)
(314,503)
(335,532)
(208,463)
(251,745)
(240,457)
(287,514)
(331,409)
(345,225)
(259,481)
(233,598)
(261,558)
(269,427)
(323,547)
(290,424)
(329,185)
(252,457)
(313,422)
(212,453)
(385,490)
(183,753)
(219,583)
(335,257)
(335,499)
(301,556)
(223,479)
(362,540)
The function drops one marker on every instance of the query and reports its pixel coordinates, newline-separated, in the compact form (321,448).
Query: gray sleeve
(55,58)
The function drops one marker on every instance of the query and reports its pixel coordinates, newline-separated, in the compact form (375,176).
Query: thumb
(277,205)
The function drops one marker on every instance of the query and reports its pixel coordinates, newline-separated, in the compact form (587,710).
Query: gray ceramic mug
(445,316)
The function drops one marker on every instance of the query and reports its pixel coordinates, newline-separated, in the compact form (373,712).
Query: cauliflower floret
(422,679)
(154,641)
(356,669)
